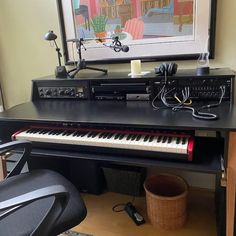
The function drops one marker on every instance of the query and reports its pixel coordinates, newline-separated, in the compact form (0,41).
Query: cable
(186,103)
(121,206)
(222,88)
(160,92)
(154,99)
(197,114)
(185,94)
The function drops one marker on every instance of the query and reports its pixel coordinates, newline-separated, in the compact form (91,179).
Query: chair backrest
(135,27)
(45,201)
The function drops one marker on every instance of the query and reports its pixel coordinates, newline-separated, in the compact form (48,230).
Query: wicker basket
(166,197)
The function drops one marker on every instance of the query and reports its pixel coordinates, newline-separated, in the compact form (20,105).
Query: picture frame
(163,34)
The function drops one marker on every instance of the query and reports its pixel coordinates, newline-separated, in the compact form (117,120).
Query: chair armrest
(11,146)
(61,197)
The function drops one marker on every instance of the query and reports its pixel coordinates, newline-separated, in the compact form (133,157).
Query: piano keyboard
(155,142)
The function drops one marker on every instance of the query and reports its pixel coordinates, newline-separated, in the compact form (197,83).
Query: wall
(24,54)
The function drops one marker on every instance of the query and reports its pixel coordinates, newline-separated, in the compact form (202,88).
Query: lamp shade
(50,36)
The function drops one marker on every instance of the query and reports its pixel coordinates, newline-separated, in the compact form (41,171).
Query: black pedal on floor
(133,214)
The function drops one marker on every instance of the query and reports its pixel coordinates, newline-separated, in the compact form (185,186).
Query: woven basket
(166,197)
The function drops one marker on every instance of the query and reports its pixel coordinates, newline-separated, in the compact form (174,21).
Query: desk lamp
(60,71)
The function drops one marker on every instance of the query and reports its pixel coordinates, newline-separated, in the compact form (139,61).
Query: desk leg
(231,184)
(3,167)
(230,201)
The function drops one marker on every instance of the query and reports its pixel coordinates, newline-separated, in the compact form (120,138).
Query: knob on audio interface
(62,92)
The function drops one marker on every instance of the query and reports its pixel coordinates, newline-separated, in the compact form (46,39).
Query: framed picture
(151,29)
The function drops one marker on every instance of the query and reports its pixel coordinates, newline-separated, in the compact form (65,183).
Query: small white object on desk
(139,75)
(135,67)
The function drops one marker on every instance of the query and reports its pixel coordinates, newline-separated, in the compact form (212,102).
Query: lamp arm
(58,52)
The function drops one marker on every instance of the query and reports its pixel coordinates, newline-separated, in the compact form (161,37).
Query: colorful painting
(151,28)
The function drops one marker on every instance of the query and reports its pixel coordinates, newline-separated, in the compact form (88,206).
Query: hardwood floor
(102,221)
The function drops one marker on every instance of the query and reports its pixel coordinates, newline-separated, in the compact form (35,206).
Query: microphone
(117,46)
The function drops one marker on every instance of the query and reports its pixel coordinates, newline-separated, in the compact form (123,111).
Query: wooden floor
(102,221)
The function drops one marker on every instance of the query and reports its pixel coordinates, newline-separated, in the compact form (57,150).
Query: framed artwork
(152,29)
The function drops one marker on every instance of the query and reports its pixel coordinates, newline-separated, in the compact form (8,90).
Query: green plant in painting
(118,29)
(99,23)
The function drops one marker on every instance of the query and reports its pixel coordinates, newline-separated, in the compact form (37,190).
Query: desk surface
(214,73)
(121,114)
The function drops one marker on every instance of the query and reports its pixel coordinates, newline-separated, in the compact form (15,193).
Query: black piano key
(94,134)
(129,137)
(146,138)
(133,137)
(84,133)
(117,136)
(33,131)
(76,133)
(184,140)
(46,131)
(90,134)
(29,130)
(101,134)
(151,138)
(51,131)
(159,139)
(121,136)
(138,137)
(54,132)
(178,140)
(110,135)
(64,134)
(41,131)
(164,139)
(69,132)
(58,132)
(79,134)
(105,135)
(169,140)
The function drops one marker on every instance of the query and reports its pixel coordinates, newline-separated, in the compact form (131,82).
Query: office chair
(36,203)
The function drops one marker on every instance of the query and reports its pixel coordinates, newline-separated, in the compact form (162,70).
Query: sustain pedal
(133,214)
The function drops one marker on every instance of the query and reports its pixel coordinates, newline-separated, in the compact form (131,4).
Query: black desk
(126,114)
(135,114)
(112,113)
